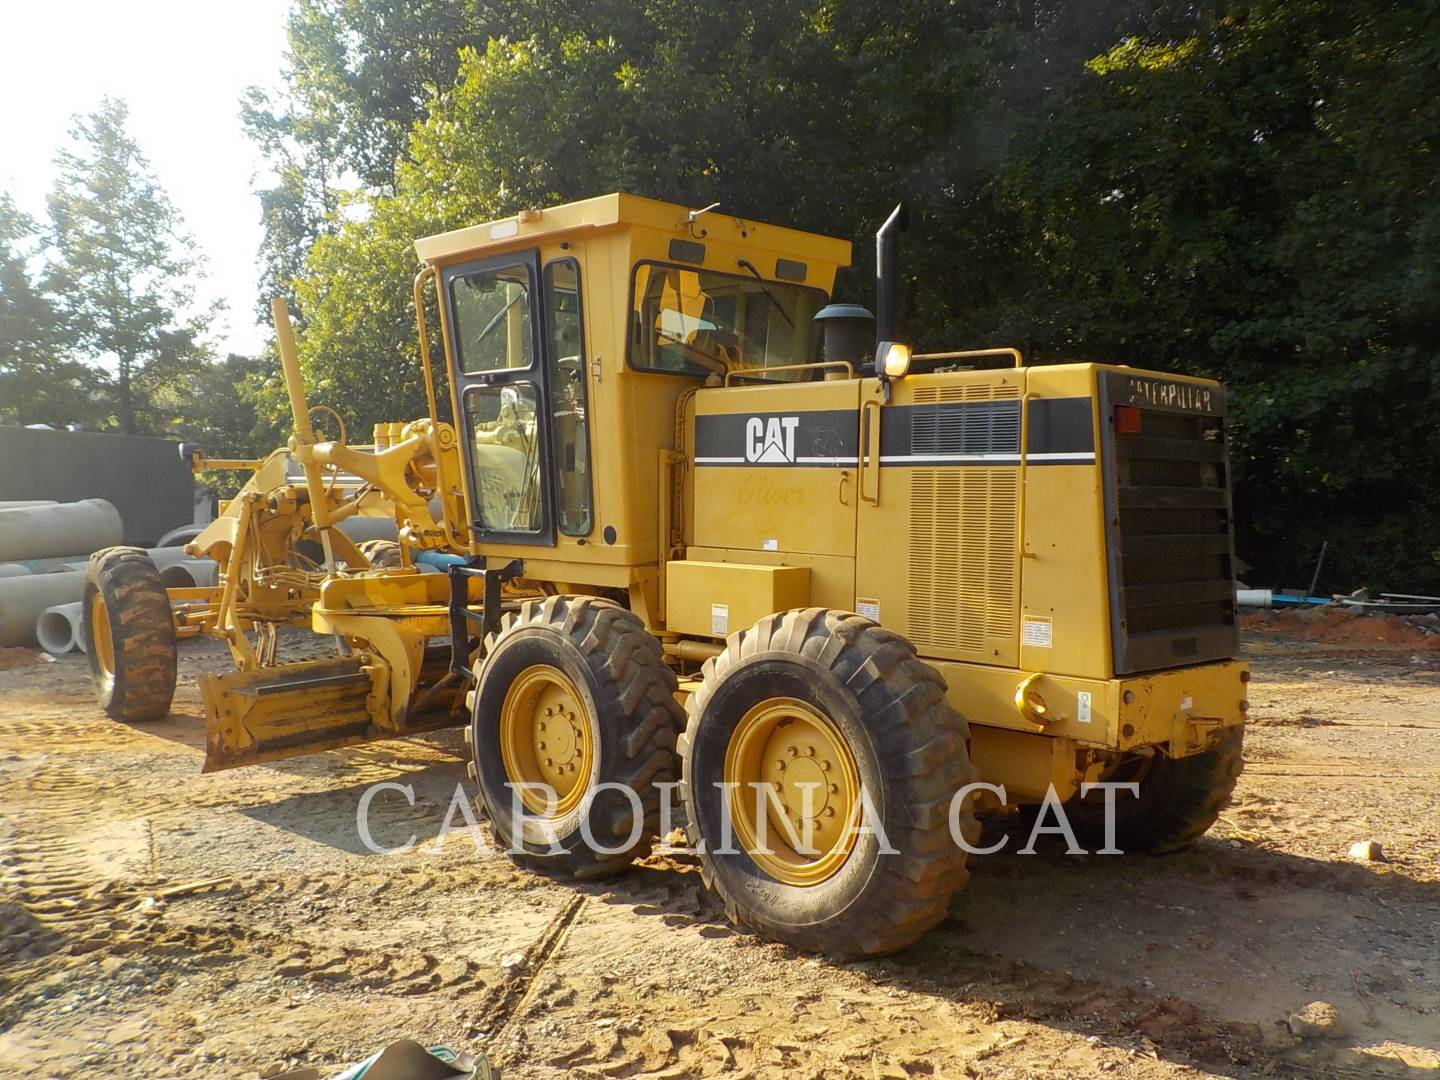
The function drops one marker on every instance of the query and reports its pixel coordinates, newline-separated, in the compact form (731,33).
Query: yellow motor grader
(672,473)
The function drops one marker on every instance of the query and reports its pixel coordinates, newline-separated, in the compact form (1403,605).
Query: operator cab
(582,325)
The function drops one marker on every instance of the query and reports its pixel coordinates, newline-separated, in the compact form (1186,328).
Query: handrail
(865,439)
(820,365)
(1019,360)
(1021,478)
(430,399)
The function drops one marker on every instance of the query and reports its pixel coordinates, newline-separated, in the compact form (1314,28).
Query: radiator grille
(985,427)
(1169,513)
(962,557)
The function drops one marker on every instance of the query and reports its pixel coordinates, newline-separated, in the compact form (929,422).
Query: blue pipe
(441,560)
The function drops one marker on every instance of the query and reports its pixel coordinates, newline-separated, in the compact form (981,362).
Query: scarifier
(698,524)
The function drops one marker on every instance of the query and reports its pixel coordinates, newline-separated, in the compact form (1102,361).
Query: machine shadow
(1064,941)
(1194,957)
(183,727)
(332,817)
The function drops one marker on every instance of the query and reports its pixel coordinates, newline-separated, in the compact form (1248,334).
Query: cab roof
(620,210)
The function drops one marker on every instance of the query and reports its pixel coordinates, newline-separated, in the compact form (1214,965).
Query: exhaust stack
(887,284)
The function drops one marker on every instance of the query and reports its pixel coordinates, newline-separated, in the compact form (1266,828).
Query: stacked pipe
(65,530)
(44,550)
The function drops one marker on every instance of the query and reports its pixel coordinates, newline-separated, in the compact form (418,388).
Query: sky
(181,66)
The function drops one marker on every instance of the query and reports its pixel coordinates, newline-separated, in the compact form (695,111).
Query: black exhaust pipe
(887,272)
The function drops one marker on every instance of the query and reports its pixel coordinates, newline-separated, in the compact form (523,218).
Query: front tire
(573,693)
(130,634)
(840,701)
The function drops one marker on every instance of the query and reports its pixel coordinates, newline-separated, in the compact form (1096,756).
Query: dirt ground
(157,922)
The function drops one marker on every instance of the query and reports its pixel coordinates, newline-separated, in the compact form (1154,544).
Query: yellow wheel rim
(101,646)
(545,739)
(781,749)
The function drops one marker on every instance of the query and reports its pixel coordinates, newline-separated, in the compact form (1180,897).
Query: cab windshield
(694,322)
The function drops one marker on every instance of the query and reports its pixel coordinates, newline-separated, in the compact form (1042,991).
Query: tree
(783,112)
(38,385)
(1237,189)
(359,75)
(1255,200)
(119,275)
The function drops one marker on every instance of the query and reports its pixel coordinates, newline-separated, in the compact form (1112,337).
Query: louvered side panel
(921,619)
(978,391)
(1003,601)
(962,558)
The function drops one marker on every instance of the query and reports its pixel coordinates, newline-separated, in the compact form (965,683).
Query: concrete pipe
(179,536)
(40,532)
(14,569)
(19,504)
(190,574)
(161,557)
(24,599)
(359,528)
(54,565)
(59,629)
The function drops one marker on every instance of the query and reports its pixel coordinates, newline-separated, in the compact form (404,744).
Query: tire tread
(142,634)
(910,720)
(623,655)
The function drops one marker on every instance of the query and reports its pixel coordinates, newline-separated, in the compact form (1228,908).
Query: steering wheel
(571,368)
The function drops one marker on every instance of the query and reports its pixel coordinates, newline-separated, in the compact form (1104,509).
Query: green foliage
(38,385)
(358,77)
(97,328)
(118,275)
(1244,190)
(1255,202)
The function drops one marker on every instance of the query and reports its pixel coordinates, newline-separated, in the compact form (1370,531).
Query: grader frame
(651,490)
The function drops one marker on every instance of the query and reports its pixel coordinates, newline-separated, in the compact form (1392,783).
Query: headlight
(895,359)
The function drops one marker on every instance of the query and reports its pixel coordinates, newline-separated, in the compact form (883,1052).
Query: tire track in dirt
(521,989)
(56,883)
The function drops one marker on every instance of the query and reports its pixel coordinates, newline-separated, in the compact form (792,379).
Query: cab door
(494,319)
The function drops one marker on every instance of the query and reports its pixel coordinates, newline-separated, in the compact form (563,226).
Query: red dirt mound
(1340,626)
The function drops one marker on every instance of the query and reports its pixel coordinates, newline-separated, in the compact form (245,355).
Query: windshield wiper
(748,265)
(519,295)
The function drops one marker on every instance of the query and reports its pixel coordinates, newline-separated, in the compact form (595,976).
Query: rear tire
(909,752)
(620,729)
(1179,800)
(129,634)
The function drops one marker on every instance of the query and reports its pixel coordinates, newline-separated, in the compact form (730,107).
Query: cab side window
(565,374)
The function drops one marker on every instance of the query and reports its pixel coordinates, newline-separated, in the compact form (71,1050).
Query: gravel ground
(158,922)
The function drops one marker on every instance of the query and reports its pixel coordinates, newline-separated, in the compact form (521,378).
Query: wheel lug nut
(792,751)
(829,811)
(809,751)
(542,746)
(834,789)
(541,725)
(824,766)
(549,711)
(780,764)
(549,763)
